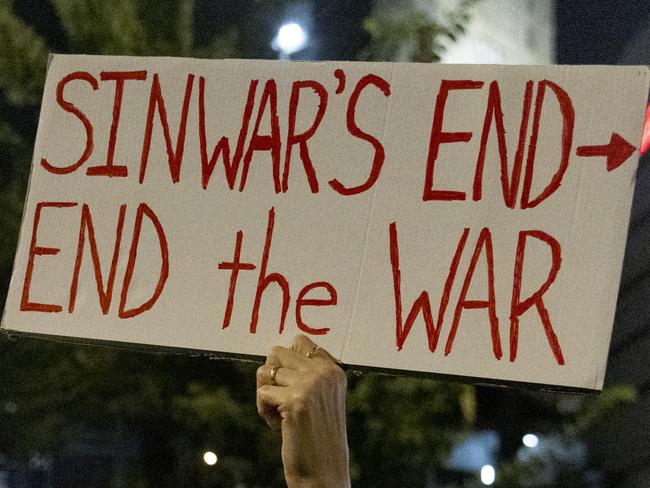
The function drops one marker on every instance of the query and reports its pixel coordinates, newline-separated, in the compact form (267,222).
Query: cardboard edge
(599,380)
(644,71)
(3,325)
(356,370)
(334,62)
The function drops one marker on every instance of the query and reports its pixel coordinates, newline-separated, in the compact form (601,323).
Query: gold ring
(274,371)
(312,352)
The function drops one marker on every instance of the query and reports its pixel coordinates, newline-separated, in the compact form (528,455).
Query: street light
(291,38)
(530,440)
(488,475)
(210,458)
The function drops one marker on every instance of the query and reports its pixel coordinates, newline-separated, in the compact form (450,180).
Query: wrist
(335,474)
(332,481)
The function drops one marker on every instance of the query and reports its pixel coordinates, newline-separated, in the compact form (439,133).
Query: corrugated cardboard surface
(325,236)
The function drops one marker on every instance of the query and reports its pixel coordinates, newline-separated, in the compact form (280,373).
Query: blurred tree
(412,34)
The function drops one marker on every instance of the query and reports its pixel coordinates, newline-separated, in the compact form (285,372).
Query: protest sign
(460,220)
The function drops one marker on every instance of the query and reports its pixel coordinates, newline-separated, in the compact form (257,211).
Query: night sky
(335,32)
(588,31)
(597,31)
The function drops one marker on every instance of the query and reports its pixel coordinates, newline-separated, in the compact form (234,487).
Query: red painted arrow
(617,151)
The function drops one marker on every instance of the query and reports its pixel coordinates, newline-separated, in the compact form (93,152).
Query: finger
(304,345)
(273,396)
(283,376)
(269,400)
(273,419)
(267,410)
(288,358)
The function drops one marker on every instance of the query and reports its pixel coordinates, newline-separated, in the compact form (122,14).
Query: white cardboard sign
(461,220)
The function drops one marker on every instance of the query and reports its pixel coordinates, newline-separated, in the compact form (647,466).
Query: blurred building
(499,31)
(504,32)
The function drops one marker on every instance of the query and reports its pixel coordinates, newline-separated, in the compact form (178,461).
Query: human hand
(301,391)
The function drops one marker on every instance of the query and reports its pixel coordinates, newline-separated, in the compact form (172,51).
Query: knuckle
(298,343)
(272,357)
(293,345)
(302,339)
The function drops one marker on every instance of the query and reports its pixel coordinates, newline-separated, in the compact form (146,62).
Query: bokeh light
(530,440)
(210,458)
(291,38)
(488,475)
